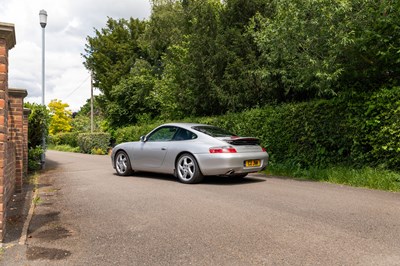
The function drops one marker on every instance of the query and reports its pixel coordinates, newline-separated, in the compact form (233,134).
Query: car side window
(163,134)
(184,134)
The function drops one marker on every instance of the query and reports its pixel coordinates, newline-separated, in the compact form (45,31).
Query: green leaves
(212,57)
(299,45)
(61,117)
(38,124)
(94,143)
(382,128)
(111,55)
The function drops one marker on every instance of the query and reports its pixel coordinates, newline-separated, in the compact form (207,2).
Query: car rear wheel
(188,170)
(122,164)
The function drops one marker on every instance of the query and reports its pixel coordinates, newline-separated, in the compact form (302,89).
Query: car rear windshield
(213,131)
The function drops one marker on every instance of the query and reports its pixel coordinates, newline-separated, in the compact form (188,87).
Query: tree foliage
(81,120)
(60,117)
(110,55)
(321,48)
(211,57)
(38,124)
(38,128)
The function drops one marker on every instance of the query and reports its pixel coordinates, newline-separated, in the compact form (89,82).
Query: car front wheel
(122,164)
(188,170)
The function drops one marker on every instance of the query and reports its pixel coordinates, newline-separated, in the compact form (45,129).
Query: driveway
(89,216)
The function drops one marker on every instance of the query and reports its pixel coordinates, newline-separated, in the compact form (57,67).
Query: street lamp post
(43,23)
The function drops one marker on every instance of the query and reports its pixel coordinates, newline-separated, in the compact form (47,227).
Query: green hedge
(356,130)
(304,134)
(34,158)
(133,133)
(68,138)
(378,138)
(94,143)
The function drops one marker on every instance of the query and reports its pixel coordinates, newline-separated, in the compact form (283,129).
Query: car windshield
(213,131)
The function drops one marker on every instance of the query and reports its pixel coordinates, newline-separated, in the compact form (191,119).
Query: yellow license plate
(252,163)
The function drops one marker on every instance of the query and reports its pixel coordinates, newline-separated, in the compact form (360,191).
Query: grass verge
(66,148)
(368,177)
(34,180)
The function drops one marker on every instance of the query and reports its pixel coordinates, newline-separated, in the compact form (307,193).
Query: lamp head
(43,18)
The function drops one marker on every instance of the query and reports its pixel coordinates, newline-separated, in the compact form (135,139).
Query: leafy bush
(89,142)
(349,130)
(34,158)
(98,151)
(67,138)
(378,141)
(133,133)
(38,123)
(304,134)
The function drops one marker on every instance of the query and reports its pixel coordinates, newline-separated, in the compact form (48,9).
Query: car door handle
(163,149)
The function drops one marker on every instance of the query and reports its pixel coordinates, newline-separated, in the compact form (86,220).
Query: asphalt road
(90,216)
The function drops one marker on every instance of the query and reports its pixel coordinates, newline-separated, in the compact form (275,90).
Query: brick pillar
(7,41)
(16,131)
(27,112)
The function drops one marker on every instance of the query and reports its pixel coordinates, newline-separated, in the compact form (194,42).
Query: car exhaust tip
(230,172)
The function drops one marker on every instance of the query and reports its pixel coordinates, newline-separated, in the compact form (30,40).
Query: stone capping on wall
(7,32)
(20,93)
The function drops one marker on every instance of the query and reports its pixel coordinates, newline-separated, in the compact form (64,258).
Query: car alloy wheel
(122,164)
(188,170)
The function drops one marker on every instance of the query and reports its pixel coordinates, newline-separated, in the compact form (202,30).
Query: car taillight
(222,150)
(264,149)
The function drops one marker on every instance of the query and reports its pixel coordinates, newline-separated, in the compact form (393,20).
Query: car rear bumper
(230,163)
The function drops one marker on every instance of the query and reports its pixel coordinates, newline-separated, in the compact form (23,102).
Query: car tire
(188,170)
(122,164)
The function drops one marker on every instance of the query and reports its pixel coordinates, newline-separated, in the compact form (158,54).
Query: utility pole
(91,103)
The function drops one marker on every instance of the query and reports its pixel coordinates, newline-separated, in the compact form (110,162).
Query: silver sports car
(190,152)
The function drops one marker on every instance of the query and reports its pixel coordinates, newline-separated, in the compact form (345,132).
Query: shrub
(378,141)
(133,133)
(88,142)
(67,138)
(38,123)
(357,130)
(34,158)
(98,151)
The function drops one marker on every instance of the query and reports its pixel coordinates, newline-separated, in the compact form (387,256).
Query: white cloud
(69,22)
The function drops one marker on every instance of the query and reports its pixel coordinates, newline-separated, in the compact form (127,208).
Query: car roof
(184,125)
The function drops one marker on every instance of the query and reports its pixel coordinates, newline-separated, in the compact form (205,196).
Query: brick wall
(13,129)
(16,131)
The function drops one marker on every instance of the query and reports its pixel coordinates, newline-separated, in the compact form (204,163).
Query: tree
(211,70)
(113,55)
(189,79)
(321,48)
(164,28)
(237,55)
(299,44)
(133,97)
(81,120)
(112,52)
(61,117)
(210,57)
(373,59)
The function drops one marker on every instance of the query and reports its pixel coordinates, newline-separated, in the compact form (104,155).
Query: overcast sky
(68,24)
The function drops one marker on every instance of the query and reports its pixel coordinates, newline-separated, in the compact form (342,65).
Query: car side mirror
(143,139)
